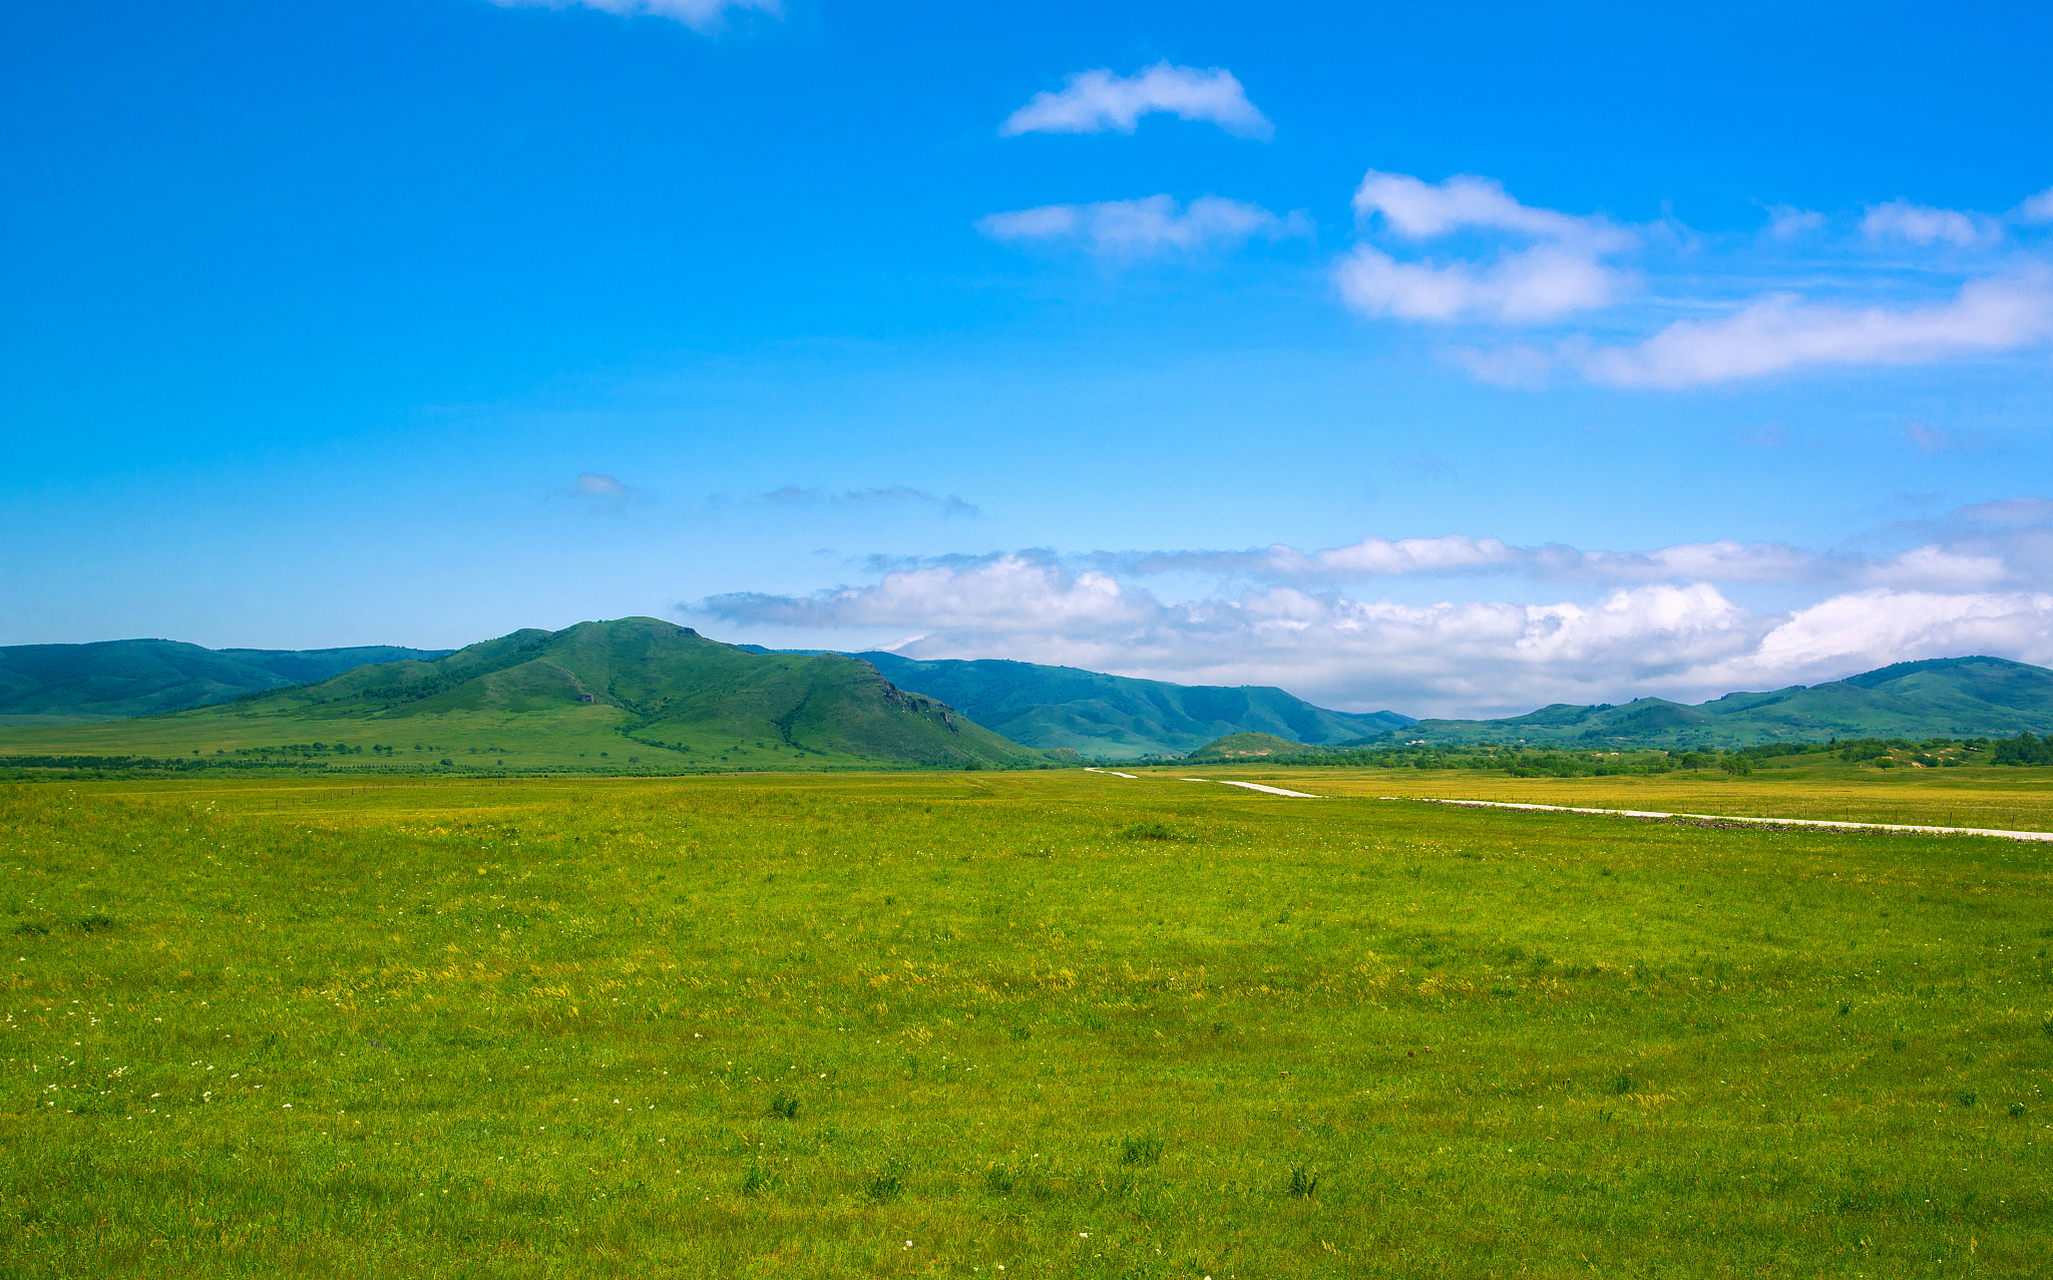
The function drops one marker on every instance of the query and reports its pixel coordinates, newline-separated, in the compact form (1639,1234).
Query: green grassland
(1058,1023)
(1816,785)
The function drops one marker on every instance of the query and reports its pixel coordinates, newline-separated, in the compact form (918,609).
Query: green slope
(634,693)
(1117,718)
(52,683)
(1242,746)
(1939,697)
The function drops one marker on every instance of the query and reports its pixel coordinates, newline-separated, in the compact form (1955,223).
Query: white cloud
(590,484)
(1007,592)
(1787,223)
(1422,210)
(1662,623)
(1923,225)
(700,15)
(1454,658)
(1566,265)
(1094,101)
(1785,332)
(1561,274)
(1137,228)
(1541,283)
(1868,629)
(603,492)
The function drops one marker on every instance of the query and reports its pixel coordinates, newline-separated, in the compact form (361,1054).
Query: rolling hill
(1115,717)
(634,693)
(1246,746)
(60,683)
(1972,697)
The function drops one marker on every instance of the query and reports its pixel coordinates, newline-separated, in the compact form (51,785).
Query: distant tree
(2024,749)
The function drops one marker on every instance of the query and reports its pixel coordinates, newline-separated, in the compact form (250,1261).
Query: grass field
(2002,798)
(997,1025)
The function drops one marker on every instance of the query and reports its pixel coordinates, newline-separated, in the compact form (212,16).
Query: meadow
(999,1024)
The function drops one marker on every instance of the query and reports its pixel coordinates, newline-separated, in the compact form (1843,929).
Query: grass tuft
(1140,1149)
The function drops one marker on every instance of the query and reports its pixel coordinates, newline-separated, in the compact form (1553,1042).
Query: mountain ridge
(656,693)
(117,679)
(1966,697)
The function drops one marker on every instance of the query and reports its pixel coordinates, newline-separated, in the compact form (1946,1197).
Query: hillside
(1939,697)
(56,683)
(1245,746)
(1115,717)
(635,693)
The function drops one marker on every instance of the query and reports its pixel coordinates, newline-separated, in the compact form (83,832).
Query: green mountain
(600,695)
(1939,697)
(1117,718)
(55,683)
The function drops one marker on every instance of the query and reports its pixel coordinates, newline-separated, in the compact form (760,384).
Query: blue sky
(1454,361)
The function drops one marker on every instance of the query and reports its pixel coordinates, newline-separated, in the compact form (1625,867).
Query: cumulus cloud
(1563,273)
(1422,210)
(1541,283)
(1619,624)
(1922,225)
(1094,101)
(1007,592)
(700,15)
(1474,657)
(893,495)
(2037,209)
(1868,629)
(1139,228)
(1785,332)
